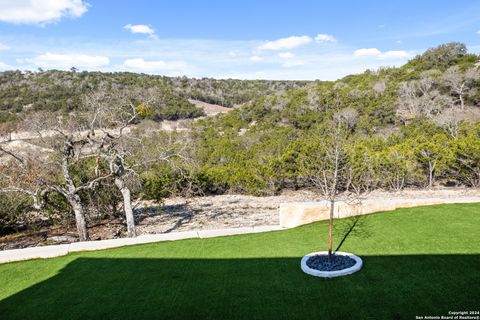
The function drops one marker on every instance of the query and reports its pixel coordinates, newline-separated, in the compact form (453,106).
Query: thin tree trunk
(332,193)
(127,206)
(73,197)
(430,176)
(330,228)
(431,170)
(81,223)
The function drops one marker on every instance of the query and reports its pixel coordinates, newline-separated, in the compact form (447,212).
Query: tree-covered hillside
(61,91)
(416,125)
(64,91)
(230,92)
(413,126)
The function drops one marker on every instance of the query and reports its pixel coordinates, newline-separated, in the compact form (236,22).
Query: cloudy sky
(246,39)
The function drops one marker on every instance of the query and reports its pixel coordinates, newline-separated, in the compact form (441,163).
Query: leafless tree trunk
(431,169)
(76,203)
(330,228)
(334,185)
(71,193)
(327,170)
(116,147)
(69,189)
(127,206)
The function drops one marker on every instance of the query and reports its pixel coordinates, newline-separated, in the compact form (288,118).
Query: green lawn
(417,261)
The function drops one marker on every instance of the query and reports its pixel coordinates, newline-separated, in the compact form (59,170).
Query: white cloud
(321,37)
(290,64)
(66,61)
(478,32)
(286,43)
(401,54)
(204,58)
(40,11)
(139,28)
(367,52)
(256,58)
(151,66)
(286,55)
(374,52)
(3,47)
(4,66)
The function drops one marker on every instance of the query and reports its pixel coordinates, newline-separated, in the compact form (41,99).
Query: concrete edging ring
(330,274)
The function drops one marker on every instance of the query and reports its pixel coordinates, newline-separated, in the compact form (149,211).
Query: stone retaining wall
(294,214)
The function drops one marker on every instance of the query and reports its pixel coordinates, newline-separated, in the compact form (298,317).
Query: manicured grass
(418,261)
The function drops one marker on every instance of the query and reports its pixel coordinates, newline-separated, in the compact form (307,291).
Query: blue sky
(302,39)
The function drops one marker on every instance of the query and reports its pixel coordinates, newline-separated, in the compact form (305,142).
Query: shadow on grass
(388,287)
(355,226)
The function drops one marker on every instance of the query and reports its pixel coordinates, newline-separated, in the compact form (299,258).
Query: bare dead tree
(123,174)
(125,158)
(118,109)
(125,151)
(22,168)
(75,142)
(451,119)
(331,175)
(327,168)
(460,83)
(380,86)
(75,138)
(347,116)
(19,175)
(419,98)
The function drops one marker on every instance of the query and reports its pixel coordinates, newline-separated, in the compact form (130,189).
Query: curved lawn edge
(45,252)
(52,251)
